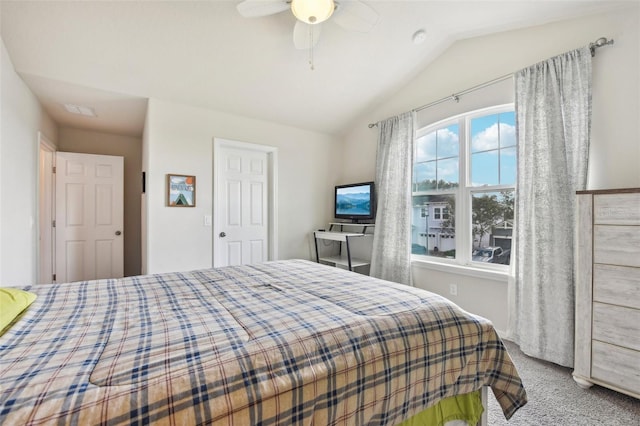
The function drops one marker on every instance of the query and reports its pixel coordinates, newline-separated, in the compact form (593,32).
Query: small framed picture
(181,191)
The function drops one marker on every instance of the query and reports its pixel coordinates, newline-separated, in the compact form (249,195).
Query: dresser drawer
(616,245)
(615,365)
(616,325)
(617,209)
(617,285)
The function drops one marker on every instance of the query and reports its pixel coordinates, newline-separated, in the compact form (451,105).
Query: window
(464,177)
(441,213)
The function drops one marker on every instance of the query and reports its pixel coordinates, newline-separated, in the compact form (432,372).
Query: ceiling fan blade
(354,15)
(256,8)
(305,36)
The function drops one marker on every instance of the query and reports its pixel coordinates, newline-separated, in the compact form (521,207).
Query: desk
(342,237)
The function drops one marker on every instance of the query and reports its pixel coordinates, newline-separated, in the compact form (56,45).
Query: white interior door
(89,216)
(242,200)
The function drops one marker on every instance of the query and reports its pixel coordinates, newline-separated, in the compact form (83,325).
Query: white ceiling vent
(81,110)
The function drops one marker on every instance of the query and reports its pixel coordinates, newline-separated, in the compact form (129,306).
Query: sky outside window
(437,159)
(493,152)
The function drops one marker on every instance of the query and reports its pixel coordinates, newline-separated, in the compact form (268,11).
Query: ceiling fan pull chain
(311,47)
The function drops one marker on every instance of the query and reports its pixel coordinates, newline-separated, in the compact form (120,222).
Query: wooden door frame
(46,213)
(272,195)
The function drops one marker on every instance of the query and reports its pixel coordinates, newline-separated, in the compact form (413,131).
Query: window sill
(490,274)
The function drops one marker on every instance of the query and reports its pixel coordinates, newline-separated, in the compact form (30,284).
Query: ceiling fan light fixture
(312,11)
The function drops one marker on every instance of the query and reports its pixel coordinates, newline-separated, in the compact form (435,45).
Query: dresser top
(609,191)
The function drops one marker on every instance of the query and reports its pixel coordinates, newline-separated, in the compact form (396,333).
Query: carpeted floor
(556,400)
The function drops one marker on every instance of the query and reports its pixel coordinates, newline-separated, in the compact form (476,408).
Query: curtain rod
(601,42)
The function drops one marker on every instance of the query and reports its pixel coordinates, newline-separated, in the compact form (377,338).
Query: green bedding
(467,407)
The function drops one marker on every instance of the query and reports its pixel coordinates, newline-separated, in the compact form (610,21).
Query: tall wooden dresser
(607,342)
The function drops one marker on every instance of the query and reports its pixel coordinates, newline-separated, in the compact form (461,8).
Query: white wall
(615,146)
(179,139)
(90,142)
(21,117)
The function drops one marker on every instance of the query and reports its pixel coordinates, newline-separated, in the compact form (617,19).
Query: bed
(284,342)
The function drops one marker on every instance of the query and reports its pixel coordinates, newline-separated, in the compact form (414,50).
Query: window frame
(464,192)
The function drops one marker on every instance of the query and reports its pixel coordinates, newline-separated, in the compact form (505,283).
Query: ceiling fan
(352,15)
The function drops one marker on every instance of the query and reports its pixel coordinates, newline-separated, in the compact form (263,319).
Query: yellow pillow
(12,302)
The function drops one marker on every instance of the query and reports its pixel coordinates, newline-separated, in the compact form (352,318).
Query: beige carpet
(556,400)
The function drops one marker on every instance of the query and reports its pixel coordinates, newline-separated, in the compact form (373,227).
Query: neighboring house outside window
(463,188)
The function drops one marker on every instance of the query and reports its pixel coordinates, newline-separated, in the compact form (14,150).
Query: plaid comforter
(287,342)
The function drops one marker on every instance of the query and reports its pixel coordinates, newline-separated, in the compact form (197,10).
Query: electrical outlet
(453,289)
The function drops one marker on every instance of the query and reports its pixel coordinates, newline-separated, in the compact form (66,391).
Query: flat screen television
(356,202)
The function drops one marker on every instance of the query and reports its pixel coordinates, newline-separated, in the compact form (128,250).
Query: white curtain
(553,109)
(391,253)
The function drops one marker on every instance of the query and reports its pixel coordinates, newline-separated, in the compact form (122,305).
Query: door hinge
(54,277)
(53,224)
(54,169)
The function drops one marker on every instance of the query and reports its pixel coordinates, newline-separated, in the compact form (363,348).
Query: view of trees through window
(492,227)
(465,168)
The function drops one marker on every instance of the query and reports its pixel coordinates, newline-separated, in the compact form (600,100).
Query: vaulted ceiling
(114,55)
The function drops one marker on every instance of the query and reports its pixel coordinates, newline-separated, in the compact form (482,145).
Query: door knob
(222,235)
(118,233)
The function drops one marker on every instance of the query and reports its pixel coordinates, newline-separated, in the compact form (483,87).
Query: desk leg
(348,253)
(315,240)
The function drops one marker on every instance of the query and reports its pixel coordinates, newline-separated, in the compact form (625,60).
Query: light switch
(207,220)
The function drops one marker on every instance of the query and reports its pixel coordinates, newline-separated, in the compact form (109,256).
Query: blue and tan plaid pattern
(288,342)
